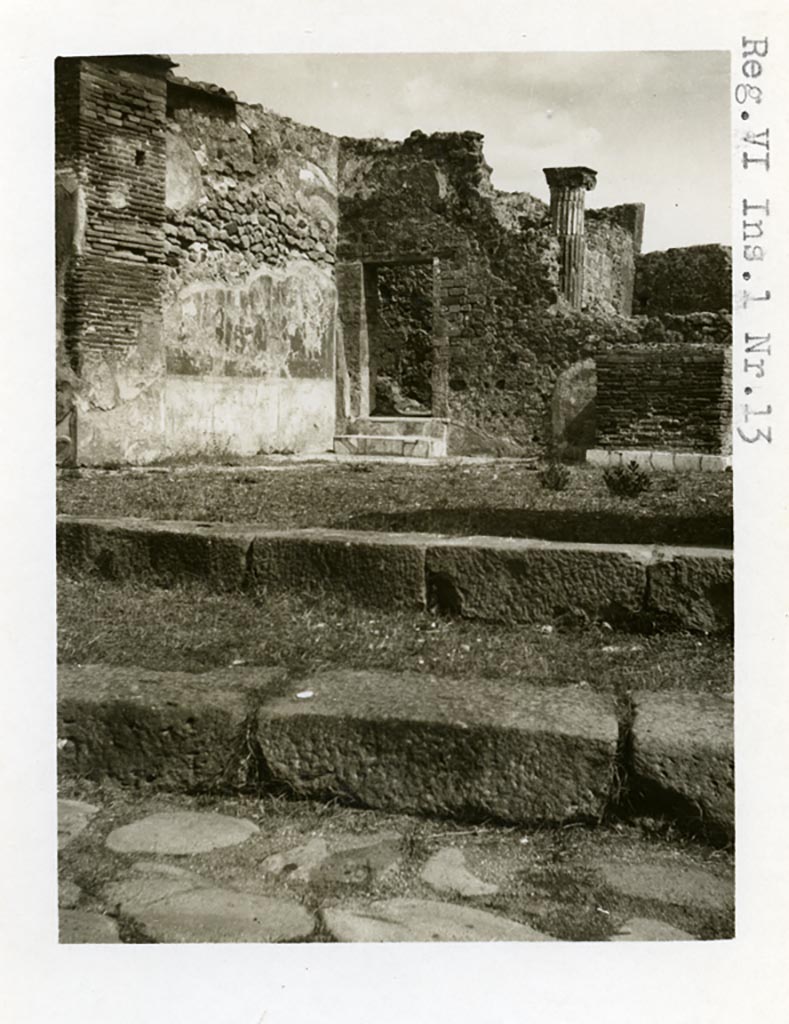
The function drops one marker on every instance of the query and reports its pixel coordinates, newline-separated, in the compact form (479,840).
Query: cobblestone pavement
(178,869)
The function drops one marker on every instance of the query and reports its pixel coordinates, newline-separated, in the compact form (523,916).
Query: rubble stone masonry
(695,279)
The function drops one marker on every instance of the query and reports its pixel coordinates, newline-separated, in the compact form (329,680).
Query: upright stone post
(567,185)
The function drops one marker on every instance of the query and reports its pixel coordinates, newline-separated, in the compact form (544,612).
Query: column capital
(570,177)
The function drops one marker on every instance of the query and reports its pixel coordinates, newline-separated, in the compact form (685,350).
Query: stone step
(398,741)
(375,444)
(497,579)
(399,426)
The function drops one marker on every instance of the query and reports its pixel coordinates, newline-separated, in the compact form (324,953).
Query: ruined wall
(196,294)
(250,295)
(495,267)
(691,280)
(690,328)
(229,282)
(110,249)
(613,242)
(664,398)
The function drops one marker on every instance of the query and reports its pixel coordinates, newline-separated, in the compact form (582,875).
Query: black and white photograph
(395,534)
(385,393)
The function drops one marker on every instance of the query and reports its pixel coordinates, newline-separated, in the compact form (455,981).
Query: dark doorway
(399,300)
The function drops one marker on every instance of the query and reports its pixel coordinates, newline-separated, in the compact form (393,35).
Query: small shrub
(670,485)
(555,477)
(626,481)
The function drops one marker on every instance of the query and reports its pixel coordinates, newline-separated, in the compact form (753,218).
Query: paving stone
(221,915)
(73,818)
(669,883)
(133,893)
(683,755)
(298,862)
(410,742)
(84,926)
(410,920)
(360,864)
(447,871)
(68,894)
(645,929)
(181,832)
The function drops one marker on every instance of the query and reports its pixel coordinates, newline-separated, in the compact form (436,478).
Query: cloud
(648,122)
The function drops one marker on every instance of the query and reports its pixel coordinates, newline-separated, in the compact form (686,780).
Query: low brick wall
(665,398)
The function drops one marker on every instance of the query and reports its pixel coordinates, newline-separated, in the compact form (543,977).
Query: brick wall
(110,158)
(695,279)
(664,398)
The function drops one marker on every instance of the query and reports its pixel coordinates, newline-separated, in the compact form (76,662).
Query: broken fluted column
(567,185)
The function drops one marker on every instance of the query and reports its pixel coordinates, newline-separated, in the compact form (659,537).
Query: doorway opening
(400,319)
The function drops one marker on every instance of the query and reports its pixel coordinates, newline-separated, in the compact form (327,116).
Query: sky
(654,125)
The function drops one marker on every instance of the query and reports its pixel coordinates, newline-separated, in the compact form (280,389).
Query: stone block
(401,426)
(346,445)
(73,817)
(424,448)
(647,929)
(504,580)
(82,926)
(683,757)
(413,920)
(663,461)
(377,445)
(470,748)
(161,552)
(684,461)
(643,459)
(374,570)
(107,548)
(692,589)
(188,551)
(208,914)
(156,730)
(603,458)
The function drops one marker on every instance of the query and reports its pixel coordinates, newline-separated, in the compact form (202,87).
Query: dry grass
(330,494)
(188,628)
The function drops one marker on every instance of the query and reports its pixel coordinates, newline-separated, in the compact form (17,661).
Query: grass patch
(329,494)
(187,628)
